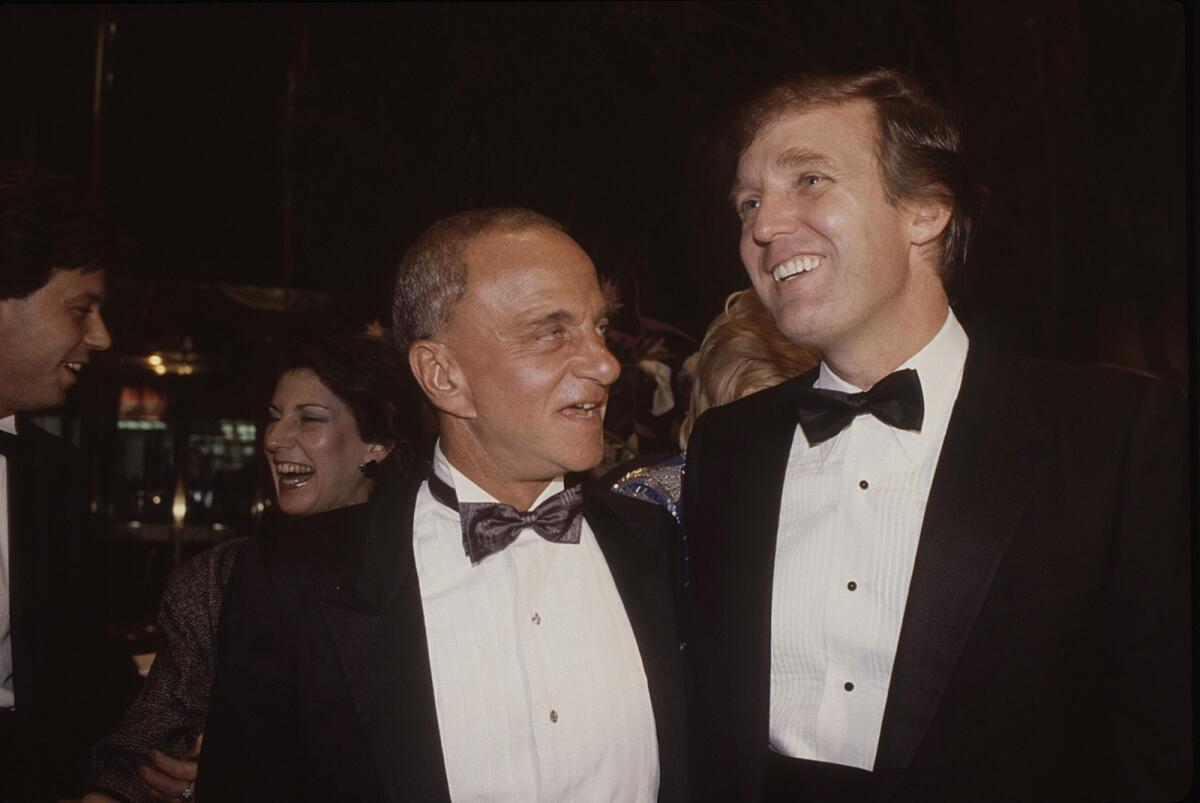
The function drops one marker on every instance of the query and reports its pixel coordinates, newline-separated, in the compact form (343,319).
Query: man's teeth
(74,367)
(587,408)
(793,266)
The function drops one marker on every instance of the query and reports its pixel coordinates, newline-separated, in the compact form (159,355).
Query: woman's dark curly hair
(365,372)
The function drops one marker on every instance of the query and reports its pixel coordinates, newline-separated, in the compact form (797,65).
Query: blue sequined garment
(660,484)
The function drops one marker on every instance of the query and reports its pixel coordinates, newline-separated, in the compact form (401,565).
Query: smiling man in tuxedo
(53,250)
(926,570)
(491,631)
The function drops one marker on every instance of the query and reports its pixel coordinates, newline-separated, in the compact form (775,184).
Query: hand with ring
(171,778)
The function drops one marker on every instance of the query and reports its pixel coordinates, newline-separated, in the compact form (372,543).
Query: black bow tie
(895,400)
(8,443)
(489,527)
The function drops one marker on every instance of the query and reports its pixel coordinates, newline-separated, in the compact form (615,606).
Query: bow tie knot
(896,400)
(489,527)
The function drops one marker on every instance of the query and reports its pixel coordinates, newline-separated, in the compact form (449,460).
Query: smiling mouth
(795,267)
(585,411)
(293,475)
(73,367)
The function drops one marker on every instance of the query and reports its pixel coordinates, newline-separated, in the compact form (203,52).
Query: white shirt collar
(468,491)
(9,424)
(939,366)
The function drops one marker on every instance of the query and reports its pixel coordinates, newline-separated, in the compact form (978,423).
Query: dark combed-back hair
(364,372)
(46,222)
(918,142)
(433,273)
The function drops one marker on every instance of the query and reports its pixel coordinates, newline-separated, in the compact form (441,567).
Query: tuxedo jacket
(68,686)
(1044,649)
(323,688)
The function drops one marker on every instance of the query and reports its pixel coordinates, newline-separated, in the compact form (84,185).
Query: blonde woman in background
(743,352)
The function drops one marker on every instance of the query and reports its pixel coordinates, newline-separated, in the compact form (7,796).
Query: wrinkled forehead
(532,256)
(823,137)
(531,276)
(516,245)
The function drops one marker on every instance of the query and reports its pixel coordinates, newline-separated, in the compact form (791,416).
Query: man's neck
(864,361)
(517,494)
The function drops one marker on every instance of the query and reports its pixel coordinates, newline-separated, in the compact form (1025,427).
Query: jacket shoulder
(50,449)
(1082,393)
(1021,400)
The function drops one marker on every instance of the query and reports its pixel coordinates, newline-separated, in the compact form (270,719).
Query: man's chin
(580,461)
(52,398)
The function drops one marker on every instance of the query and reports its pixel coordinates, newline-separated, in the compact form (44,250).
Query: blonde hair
(743,351)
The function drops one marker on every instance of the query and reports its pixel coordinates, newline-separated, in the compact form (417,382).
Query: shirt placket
(537,626)
(524,566)
(852,690)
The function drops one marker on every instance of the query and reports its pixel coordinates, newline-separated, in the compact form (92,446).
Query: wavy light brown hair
(918,142)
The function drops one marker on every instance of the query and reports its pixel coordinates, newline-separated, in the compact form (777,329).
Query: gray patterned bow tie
(489,527)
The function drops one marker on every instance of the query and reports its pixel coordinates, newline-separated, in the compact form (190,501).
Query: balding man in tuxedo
(490,630)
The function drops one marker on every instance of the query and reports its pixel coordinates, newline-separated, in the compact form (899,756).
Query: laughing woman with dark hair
(333,434)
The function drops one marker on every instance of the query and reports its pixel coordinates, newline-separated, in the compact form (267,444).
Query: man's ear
(928,219)
(440,377)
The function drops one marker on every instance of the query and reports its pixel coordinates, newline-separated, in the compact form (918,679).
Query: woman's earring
(370,469)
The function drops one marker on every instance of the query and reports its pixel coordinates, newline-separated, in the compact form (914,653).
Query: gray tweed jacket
(172,706)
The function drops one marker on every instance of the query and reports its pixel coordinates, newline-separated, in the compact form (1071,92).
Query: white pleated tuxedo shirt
(538,681)
(849,523)
(7,699)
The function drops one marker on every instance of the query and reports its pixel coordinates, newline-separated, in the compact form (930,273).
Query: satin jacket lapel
(754,476)
(631,535)
(987,473)
(378,626)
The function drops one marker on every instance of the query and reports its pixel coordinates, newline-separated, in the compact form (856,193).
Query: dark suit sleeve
(250,745)
(71,681)
(710,746)
(1151,605)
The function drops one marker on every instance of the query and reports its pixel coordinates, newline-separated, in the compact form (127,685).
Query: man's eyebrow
(561,317)
(791,159)
(737,189)
(802,157)
(88,296)
(558,316)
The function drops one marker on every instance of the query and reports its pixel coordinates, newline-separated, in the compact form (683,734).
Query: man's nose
(775,217)
(599,364)
(97,337)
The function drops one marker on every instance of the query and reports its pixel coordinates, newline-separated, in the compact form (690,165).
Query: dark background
(271,163)
(305,147)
